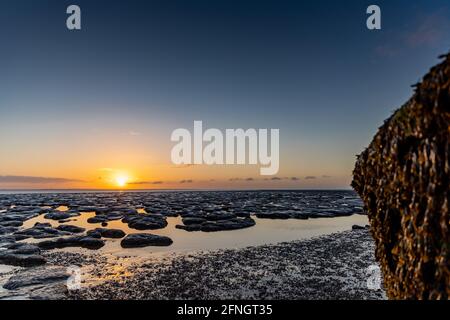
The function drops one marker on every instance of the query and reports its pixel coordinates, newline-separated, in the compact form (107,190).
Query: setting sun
(121,181)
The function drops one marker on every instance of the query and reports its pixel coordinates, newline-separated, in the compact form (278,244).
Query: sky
(95,108)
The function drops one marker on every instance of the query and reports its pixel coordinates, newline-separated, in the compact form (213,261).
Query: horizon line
(177,189)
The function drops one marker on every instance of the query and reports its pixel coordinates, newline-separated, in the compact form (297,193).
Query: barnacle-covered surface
(403,179)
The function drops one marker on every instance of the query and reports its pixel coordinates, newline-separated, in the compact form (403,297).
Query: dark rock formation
(145,222)
(21,254)
(98,219)
(37,277)
(138,240)
(214,226)
(76,241)
(70,228)
(403,179)
(106,233)
(21,260)
(61,215)
(40,231)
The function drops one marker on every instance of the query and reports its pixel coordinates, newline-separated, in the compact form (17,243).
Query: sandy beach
(328,267)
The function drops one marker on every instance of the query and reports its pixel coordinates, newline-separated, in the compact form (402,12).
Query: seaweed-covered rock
(87,242)
(403,179)
(70,228)
(138,240)
(213,226)
(106,233)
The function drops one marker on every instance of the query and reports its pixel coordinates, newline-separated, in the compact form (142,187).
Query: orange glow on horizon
(121,180)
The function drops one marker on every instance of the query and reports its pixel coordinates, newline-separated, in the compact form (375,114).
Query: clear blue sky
(144,68)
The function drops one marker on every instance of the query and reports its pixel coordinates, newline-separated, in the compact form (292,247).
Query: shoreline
(325,267)
(296,241)
(12,192)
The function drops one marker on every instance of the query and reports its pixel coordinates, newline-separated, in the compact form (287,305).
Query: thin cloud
(310,177)
(295,178)
(386,50)
(430,31)
(249,179)
(31,179)
(145,182)
(134,133)
(326,176)
(427,31)
(186,181)
(276,179)
(183,166)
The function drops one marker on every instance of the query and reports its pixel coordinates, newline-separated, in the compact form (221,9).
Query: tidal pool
(266,231)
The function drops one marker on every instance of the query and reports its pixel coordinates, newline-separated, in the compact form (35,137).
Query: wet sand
(328,267)
(333,266)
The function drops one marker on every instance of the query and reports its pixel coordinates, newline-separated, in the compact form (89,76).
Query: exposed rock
(144,222)
(7,239)
(289,214)
(144,239)
(61,215)
(76,241)
(242,214)
(71,229)
(403,178)
(232,224)
(220,216)
(189,227)
(193,220)
(22,260)
(39,282)
(273,215)
(7,230)
(23,248)
(221,225)
(42,225)
(98,219)
(211,206)
(114,216)
(91,243)
(40,231)
(11,223)
(21,254)
(107,233)
(169,214)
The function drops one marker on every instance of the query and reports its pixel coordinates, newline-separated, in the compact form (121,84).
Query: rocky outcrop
(403,179)
(214,226)
(106,233)
(138,240)
(86,242)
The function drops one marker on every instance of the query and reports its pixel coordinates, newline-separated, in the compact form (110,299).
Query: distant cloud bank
(30,179)
(145,182)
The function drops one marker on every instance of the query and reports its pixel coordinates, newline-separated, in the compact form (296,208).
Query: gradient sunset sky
(78,109)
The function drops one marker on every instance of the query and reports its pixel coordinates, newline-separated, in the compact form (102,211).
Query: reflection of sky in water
(266,231)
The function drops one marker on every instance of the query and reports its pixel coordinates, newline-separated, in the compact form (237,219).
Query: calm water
(318,204)
(264,232)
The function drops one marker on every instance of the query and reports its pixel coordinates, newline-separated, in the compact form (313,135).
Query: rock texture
(403,179)
(138,240)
